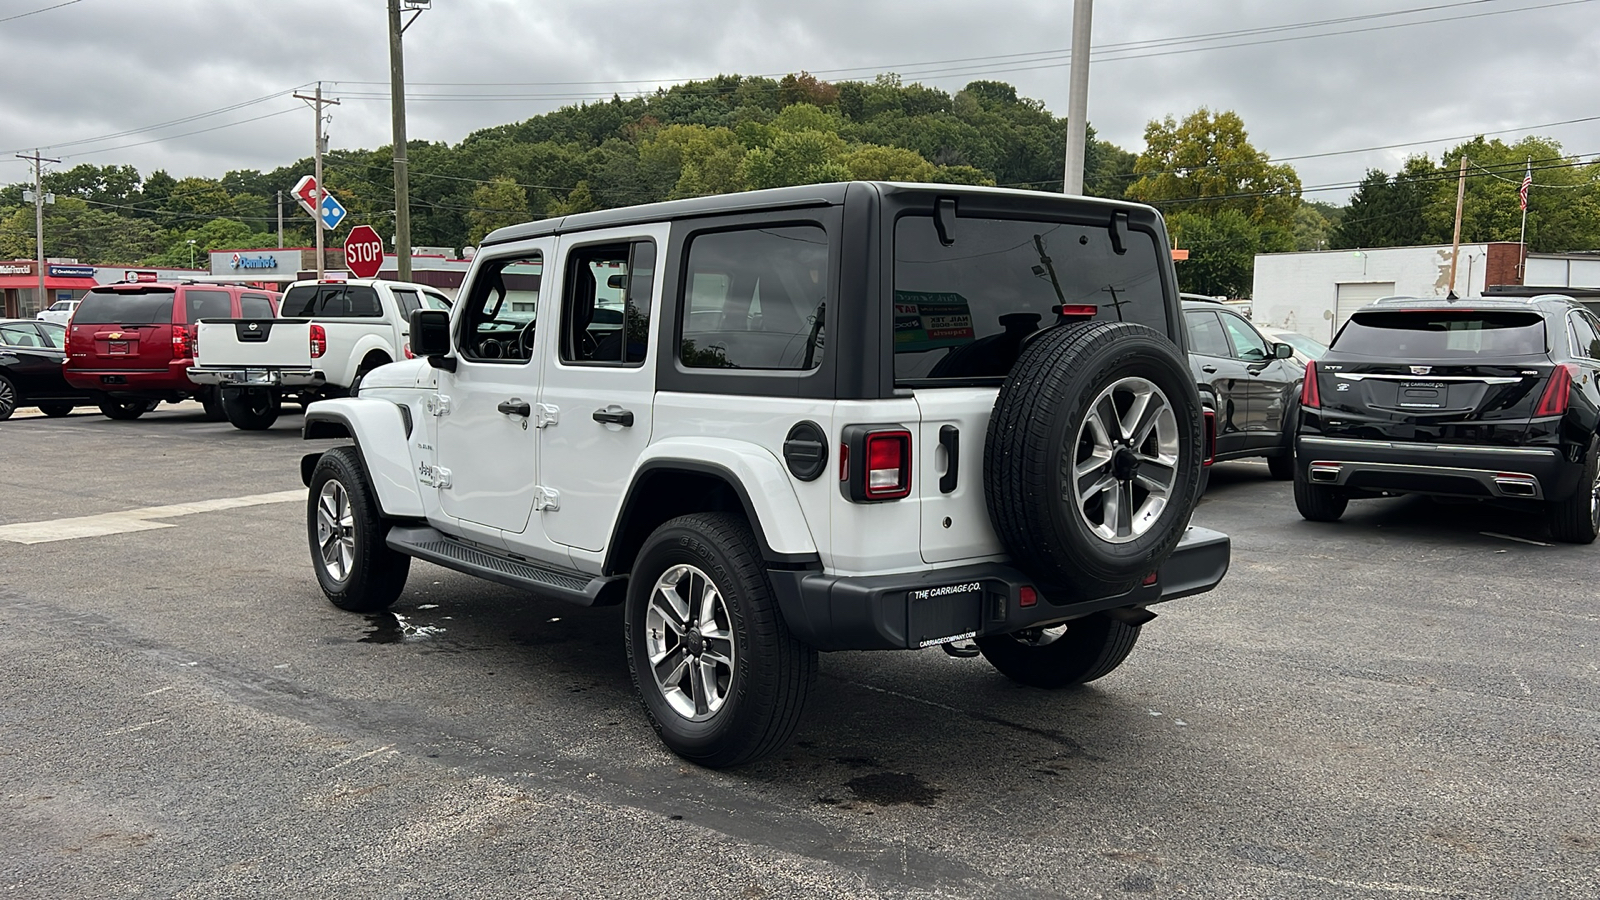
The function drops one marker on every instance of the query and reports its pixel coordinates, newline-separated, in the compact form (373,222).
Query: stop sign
(363,252)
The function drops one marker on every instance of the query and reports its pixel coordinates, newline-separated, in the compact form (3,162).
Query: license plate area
(943,614)
(117,348)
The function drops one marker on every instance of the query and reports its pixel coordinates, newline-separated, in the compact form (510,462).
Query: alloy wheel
(689,639)
(336,531)
(8,399)
(1126,461)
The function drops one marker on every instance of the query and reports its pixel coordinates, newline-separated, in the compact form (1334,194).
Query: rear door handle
(516,407)
(614,415)
(1209,370)
(950,440)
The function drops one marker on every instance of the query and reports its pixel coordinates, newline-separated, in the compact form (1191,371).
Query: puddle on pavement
(891,788)
(393,628)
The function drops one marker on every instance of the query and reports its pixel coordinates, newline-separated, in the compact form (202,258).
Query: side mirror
(1281,350)
(430,337)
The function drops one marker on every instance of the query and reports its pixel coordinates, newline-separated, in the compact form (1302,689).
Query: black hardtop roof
(1550,303)
(809,195)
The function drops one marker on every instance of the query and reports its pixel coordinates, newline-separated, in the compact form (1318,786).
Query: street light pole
(1078,98)
(397,108)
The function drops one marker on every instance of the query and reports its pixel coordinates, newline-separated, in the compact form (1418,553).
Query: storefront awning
(24,282)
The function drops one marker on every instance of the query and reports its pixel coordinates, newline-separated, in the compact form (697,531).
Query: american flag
(1527,182)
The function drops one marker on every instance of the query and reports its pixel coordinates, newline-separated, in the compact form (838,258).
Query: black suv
(1485,398)
(1251,383)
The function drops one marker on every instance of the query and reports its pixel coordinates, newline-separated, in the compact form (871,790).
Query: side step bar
(433,546)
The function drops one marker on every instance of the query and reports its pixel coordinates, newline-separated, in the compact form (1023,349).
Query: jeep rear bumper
(922,609)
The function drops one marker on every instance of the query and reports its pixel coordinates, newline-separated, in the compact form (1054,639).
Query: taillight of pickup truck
(319,341)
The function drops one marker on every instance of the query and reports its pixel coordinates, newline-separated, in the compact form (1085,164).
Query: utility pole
(280,220)
(1078,98)
(38,218)
(1455,250)
(397,107)
(316,218)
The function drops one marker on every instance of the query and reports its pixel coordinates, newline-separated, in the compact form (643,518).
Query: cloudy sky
(88,79)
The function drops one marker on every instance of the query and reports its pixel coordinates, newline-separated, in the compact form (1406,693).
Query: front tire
(1072,653)
(720,676)
(355,567)
(251,409)
(1576,520)
(124,410)
(8,398)
(1318,502)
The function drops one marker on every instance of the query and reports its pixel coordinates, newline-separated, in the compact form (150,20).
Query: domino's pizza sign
(240,261)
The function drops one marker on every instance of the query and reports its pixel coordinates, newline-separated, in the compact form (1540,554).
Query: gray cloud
(103,66)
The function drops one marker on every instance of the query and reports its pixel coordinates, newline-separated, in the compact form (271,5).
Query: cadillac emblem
(1421,370)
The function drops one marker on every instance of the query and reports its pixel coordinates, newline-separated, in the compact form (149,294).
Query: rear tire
(721,678)
(1318,502)
(8,398)
(1281,467)
(1072,653)
(56,410)
(355,567)
(211,399)
(124,410)
(1576,520)
(251,409)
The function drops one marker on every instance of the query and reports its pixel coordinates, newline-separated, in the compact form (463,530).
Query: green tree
(796,157)
(217,234)
(1222,247)
(1207,163)
(497,204)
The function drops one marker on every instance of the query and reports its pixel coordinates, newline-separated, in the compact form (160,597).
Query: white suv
(836,417)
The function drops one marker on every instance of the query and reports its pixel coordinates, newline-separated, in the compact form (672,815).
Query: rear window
(962,311)
(117,308)
(255,306)
(1449,334)
(200,304)
(336,301)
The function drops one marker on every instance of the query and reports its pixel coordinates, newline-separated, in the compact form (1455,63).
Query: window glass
(501,309)
(1442,335)
(1205,334)
(331,301)
(756,299)
(1585,342)
(608,303)
(963,310)
(435,301)
(202,304)
(1247,342)
(19,336)
(61,306)
(409,302)
(54,335)
(124,308)
(255,306)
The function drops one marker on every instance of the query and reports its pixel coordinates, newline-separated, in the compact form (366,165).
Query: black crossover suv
(1486,398)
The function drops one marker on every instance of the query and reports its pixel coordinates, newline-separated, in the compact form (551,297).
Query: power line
(181,121)
(38,11)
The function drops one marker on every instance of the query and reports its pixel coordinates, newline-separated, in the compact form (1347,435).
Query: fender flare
(364,346)
(758,478)
(382,437)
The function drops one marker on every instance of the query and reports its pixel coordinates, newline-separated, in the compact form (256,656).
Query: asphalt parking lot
(1401,704)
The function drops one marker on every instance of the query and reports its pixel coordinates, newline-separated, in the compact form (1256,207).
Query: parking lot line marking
(132,519)
(1512,537)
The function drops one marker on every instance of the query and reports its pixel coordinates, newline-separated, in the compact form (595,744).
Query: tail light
(881,457)
(319,341)
(405,346)
(182,342)
(1211,437)
(1557,391)
(1310,394)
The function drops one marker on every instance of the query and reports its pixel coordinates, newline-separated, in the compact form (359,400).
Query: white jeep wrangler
(835,417)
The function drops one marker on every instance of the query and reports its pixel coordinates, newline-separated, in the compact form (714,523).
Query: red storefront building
(19,284)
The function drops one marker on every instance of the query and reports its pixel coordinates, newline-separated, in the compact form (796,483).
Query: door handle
(1209,370)
(950,440)
(516,407)
(614,415)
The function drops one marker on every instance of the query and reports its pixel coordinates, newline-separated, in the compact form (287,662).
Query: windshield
(1301,343)
(119,308)
(962,311)
(1446,334)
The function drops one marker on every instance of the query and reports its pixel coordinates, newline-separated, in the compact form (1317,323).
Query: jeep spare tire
(1092,462)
